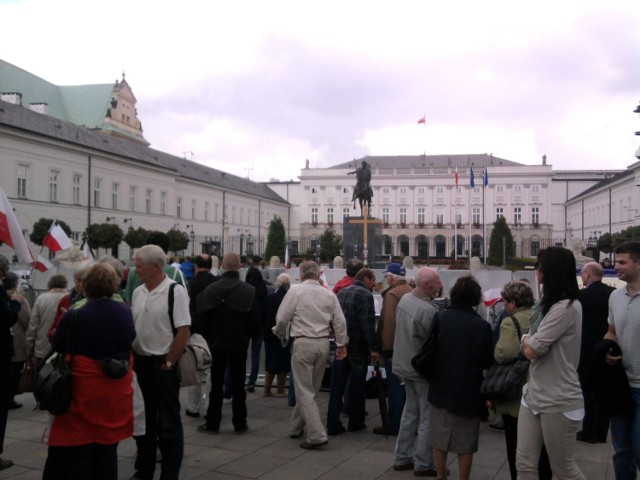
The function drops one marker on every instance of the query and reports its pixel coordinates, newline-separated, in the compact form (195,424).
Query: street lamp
(110,219)
(192,237)
(318,252)
(592,241)
(249,245)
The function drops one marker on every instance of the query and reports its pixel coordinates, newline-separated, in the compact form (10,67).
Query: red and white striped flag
(455,176)
(42,264)
(10,231)
(423,120)
(56,239)
(491,296)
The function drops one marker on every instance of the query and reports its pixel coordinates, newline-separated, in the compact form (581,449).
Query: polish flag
(86,252)
(423,120)
(491,297)
(10,231)
(287,260)
(455,176)
(56,239)
(42,264)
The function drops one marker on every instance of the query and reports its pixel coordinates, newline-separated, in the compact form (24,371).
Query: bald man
(595,311)
(229,316)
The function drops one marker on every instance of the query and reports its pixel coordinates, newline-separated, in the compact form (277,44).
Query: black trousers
(511,439)
(236,360)
(83,462)
(5,393)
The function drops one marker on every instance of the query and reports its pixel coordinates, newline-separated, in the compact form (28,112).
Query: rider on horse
(362,191)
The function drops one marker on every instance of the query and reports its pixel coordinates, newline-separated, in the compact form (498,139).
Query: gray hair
(151,254)
(309,269)
(115,263)
(283,281)
(81,269)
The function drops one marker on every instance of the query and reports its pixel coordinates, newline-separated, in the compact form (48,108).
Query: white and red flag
(56,239)
(423,120)
(455,176)
(10,231)
(86,251)
(41,264)
(491,296)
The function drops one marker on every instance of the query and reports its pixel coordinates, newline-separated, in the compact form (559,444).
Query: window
(215,212)
(422,190)
(458,215)
(53,185)
(132,198)
(314,190)
(535,188)
(440,190)
(440,217)
(77,179)
(346,190)
(403,216)
(147,207)
(517,188)
(499,213)
(179,207)
(422,215)
(403,190)
(97,185)
(330,215)
(517,215)
(500,188)
(535,247)
(206,211)
(163,203)
(314,215)
(345,212)
(476,189)
(385,190)
(535,214)
(385,215)
(476,216)
(22,180)
(193,210)
(114,196)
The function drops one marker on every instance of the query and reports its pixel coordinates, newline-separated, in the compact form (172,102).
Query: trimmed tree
(178,240)
(331,244)
(275,239)
(41,227)
(501,238)
(605,243)
(136,238)
(104,235)
(629,234)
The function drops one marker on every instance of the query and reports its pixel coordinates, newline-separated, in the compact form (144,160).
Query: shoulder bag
(503,382)
(52,388)
(424,361)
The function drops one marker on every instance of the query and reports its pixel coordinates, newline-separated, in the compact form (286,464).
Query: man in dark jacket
(595,310)
(230,317)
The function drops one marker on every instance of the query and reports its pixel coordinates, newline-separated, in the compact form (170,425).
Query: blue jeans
(349,373)
(256,346)
(412,445)
(625,438)
(160,390)
(396,396)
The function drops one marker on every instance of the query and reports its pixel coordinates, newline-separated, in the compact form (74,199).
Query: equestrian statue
(362,190)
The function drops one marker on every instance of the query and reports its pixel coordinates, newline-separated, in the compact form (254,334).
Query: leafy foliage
(178,240)
(605,243)
(104,235)
(275,239)
(627,235)
(136,238)
(331,244)
(501,237)
(41,227)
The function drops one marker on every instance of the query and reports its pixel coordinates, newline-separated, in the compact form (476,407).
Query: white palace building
(78,154)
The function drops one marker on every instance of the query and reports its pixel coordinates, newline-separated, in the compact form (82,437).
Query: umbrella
(382,398)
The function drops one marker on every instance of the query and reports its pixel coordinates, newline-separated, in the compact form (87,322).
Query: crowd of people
(124,338)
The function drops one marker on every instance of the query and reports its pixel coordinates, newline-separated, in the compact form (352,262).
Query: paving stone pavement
(267,452)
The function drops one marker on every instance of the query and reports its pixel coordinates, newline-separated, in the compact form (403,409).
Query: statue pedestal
(353,241)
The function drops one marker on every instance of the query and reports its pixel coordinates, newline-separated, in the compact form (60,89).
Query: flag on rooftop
(455,176)
(56,239)
(485,176)
(423,119)
(472,180)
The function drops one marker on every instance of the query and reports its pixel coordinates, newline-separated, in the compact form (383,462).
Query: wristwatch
(168,364)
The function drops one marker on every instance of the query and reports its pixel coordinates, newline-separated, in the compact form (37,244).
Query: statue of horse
(362,191)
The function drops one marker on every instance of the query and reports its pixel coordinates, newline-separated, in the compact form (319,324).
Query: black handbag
(53,381)
(424,361)
(503,382)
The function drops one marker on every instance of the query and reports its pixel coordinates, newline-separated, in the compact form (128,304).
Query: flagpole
(484,220)
(470,218)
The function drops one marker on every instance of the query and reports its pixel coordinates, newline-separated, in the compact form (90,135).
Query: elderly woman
(552,402)
(83,442)
(464,349)
(277,359)
(518,300)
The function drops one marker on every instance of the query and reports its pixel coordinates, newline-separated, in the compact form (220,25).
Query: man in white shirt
(312,311)
(157,348)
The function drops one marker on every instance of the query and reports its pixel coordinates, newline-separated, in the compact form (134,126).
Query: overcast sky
(256,87)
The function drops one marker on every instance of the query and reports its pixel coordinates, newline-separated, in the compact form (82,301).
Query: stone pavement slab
(266,451)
